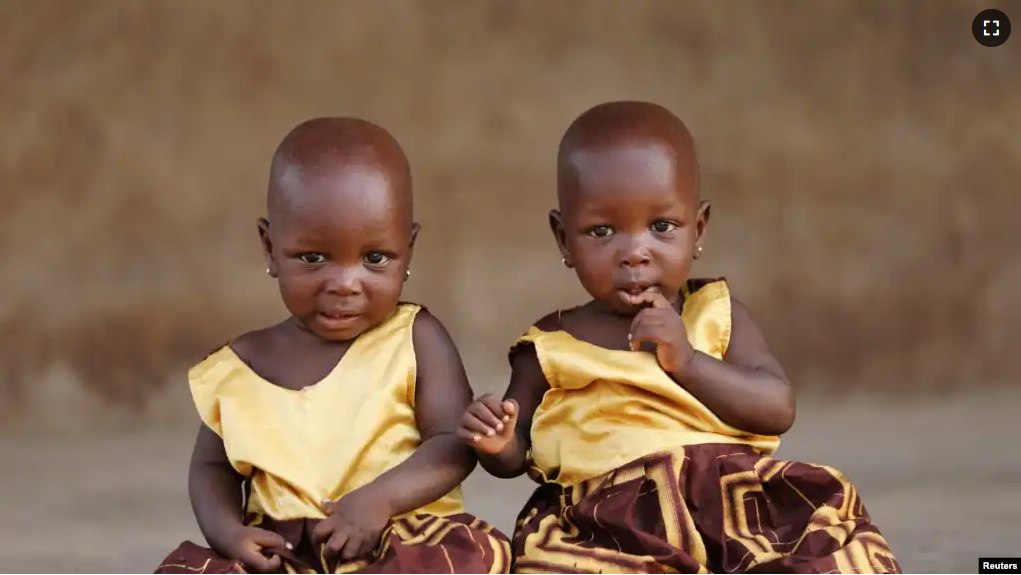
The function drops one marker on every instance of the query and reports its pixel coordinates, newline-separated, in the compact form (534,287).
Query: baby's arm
(503,454)
(749,389)
(442,393)
(215,490)
(527,386)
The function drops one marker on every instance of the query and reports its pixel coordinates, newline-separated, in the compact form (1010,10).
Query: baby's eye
(376,258)
(663,226)
(600,231)
(313,258)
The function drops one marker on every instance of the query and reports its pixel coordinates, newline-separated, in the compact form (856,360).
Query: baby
(339,422)
(649,414)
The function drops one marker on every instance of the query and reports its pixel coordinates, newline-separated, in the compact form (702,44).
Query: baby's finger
(355,548)
(328,506)
(478,429)
(652,298)
(641,334)
(254,560)
(273,565)
(322,532)
(264,538)
(336,544)
(636,332)
(486,415)
(510,409)
(494,404)
(666,361)
(466,436)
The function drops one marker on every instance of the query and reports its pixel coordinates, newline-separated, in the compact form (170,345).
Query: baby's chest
(295,374)
(315,415)
(610,338)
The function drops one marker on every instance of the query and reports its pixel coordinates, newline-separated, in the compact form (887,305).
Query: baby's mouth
(635,294)
(337,319)
(638,289)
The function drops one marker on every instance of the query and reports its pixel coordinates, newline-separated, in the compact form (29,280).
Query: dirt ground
(941,478)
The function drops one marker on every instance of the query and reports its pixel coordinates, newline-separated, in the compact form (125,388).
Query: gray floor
(942,480)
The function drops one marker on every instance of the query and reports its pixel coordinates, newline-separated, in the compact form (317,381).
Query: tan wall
(863,158)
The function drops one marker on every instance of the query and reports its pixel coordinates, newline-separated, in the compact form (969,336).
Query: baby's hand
(251,547)
(354,525)
(488,424)
(659,324)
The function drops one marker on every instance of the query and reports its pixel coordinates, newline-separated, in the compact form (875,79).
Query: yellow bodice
(301,447)
(606,407)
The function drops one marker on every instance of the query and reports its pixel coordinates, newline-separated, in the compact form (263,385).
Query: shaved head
(339,234)
(639,134)
(630,217)
(324,148)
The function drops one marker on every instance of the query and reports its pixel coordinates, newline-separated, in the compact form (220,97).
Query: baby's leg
(631,520)
(459,543)
(758,514)
(703,508)
(192,558)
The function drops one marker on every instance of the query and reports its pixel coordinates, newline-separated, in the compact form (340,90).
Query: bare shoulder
(526,371)
(247,345)
(435,351)
(552,321)
(748,347)
(549,322)
(255,343)
(740,315)
(429,333)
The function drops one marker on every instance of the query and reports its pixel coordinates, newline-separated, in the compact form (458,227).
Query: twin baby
(337,440)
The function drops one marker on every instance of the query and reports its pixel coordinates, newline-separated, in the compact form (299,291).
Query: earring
(698,251)
(407,274)
(268,272)
(566,263)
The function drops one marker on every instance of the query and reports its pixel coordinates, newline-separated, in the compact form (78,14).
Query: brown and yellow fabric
(638,476)
(295,455)
(712,508)
(458,543)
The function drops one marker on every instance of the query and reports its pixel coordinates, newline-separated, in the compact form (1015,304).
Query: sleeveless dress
(297,448)
(638,476)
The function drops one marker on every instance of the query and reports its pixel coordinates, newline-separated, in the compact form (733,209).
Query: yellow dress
(638,476)
(299,448)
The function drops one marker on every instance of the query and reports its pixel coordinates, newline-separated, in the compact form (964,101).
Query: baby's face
(630,222)
(341,246)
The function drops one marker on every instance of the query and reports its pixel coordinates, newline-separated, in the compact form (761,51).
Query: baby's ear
(556,225)
(414,235)
(267,245)
(702,219)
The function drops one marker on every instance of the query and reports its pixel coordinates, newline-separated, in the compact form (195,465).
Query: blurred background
(863,158)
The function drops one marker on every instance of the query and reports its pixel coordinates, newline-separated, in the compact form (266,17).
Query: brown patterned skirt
(702,509)
(419,544)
